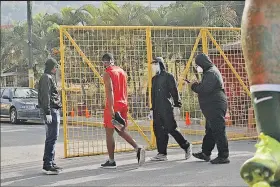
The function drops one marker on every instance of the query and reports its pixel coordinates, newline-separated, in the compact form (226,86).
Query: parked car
(19,104)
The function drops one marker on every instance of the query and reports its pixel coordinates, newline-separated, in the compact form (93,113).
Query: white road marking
(11,182)
(13,130)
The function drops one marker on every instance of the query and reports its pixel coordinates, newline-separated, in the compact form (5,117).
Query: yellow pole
(64,104)
(205,51)
(149,58)
(204,41)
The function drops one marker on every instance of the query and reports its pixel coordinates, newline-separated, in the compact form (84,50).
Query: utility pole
(30,56)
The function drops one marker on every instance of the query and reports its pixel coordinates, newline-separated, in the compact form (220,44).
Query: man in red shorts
(116,108)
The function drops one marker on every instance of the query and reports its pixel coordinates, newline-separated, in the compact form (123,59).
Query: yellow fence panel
(226,52)
(82,48)
(84,91)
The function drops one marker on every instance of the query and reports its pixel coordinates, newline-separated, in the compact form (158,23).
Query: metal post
(30,56)
(149,60)
(204,41)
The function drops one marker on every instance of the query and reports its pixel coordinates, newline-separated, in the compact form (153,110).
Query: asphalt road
(21,161)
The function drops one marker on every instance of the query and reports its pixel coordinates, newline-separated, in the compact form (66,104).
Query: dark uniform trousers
(215,133)
(165,124)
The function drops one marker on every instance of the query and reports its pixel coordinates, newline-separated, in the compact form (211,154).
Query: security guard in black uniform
(166,104)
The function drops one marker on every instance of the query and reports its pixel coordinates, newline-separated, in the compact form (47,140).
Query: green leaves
(181,13)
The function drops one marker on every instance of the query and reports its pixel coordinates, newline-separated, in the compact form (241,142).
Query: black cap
(107,57)
(50,64)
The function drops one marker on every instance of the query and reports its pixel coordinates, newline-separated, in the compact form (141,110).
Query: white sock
(111,160)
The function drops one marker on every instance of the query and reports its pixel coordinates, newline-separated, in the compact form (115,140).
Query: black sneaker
(201,156)
(220,160)
(50,170)
(56,167)
(109,165)
(141,156)
(118,121)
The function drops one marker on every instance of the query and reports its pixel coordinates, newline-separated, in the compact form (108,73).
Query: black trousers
(215,130)
(165,124)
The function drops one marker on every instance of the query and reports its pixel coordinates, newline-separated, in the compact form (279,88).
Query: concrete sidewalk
(86,171)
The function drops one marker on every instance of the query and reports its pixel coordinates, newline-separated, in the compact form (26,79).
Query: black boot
(201,156)
(220,160)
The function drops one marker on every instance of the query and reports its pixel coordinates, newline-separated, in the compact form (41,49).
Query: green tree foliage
(45,33)
(128,46)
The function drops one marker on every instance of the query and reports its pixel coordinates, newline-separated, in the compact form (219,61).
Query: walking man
(213,103)
(116,109)
(164,89)
(50,104)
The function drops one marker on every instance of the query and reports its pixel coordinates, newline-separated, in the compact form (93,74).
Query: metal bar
(188,64)
(229,139)
(99,153)
(145,27)
(204,41)
(30,51)
(64,104)
(139,129)
(149,61)
(230,135)
(228,63)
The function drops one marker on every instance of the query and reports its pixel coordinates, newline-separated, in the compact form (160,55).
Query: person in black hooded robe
(213,103)
(166,104)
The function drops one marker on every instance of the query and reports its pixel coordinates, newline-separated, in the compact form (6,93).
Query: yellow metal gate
(81,50)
